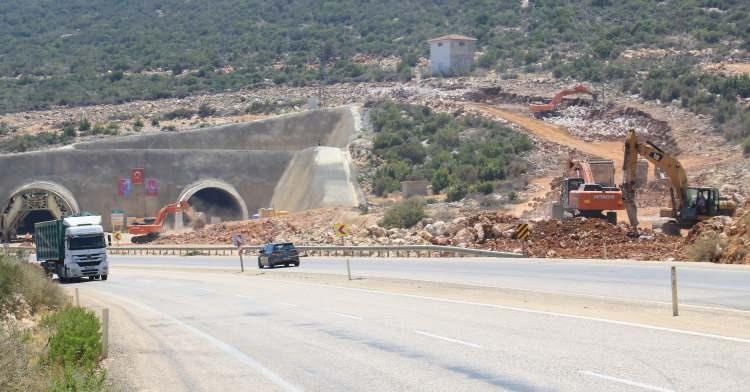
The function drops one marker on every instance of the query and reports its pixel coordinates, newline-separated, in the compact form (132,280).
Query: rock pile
(577,238)
(601,124)
(730,236)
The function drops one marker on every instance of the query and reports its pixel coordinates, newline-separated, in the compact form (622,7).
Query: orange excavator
(540,109)
(149,229)
(588,190)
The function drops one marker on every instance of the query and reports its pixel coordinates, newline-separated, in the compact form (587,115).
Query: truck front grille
(88,263)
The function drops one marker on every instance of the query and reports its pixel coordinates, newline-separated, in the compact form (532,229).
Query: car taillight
(275,254)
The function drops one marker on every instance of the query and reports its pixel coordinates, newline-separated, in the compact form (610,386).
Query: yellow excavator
(690,204)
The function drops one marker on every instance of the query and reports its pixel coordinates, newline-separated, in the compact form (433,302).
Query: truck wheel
(260,265)
(104,277)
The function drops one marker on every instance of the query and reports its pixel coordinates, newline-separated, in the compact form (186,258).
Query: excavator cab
(699,202)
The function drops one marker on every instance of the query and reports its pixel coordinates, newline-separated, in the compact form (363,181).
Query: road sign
(341,229)
(237,240)
(117,236)
(522,232)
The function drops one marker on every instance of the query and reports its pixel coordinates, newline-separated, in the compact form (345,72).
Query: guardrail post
(105,332)
(675,311)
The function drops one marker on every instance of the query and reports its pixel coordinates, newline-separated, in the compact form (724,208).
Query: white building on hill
(452,54)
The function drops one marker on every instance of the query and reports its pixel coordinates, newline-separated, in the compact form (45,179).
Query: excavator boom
(552,105)
(149,232)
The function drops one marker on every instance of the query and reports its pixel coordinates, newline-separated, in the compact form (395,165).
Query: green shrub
(84,125)
(405,214)
(456,192)
(205,110)
(440,180)
(75,340)
(178,113)
(485,188)
(138,125)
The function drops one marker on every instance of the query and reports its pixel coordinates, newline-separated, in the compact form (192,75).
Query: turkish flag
(136,176)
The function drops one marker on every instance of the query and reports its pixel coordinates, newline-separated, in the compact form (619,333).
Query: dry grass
(708,248)
(24,288)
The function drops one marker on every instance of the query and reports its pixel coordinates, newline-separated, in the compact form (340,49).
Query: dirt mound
(730,236)
(576,238)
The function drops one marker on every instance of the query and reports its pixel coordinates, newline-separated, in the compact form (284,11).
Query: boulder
(479,229)
(464,236)
(376,231)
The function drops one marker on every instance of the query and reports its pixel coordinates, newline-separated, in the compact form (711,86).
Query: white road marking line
(231,350)
(531,311)
(349,316)
(243,296)
(423,333)
(288,304)
(624,381)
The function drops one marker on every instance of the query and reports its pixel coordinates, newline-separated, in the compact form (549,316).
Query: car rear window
(283,247)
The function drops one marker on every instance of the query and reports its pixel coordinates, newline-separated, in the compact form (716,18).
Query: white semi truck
(72,247)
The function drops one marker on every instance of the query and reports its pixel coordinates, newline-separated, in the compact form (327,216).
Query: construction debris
(577,238)
(729,235)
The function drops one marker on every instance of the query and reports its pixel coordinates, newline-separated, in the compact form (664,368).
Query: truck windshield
(87,242)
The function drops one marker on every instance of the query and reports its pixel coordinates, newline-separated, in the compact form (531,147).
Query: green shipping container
(49,238)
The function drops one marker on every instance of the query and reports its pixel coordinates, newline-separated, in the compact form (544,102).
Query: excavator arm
(546,107)
(665,162)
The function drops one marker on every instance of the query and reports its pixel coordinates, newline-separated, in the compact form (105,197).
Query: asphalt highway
(699,284)
(182,329)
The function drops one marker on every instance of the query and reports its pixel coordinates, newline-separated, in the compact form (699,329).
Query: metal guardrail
(305,250)
(319,250)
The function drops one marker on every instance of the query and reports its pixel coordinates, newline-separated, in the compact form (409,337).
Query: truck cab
(72,247)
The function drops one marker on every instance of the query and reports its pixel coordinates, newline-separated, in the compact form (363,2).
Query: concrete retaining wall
(249,159)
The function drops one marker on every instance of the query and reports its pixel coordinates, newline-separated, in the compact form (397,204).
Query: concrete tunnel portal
(214,199)
(32,203)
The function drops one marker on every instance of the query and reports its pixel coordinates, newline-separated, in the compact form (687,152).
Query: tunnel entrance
(214,205)
(26,224)
(33,203)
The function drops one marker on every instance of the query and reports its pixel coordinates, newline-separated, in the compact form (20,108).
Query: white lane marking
(231,350)
(531,311)
(349,316)
(624,381)
(288,304)
(243,296)
(423,333)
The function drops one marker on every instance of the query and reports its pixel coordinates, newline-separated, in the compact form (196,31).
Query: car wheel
(260,265)
(104,277)
(296,264)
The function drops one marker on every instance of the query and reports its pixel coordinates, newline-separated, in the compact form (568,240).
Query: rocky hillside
(110,51)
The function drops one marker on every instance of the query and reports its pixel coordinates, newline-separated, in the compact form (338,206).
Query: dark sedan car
(272,255)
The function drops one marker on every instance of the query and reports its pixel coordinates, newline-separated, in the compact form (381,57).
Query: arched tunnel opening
(212,205)
(26,225)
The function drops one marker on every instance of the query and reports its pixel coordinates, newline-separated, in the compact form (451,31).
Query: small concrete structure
(452,54)
(414,188)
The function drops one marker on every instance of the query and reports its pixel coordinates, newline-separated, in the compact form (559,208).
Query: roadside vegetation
(457,156)
(404,214)
(45,344)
